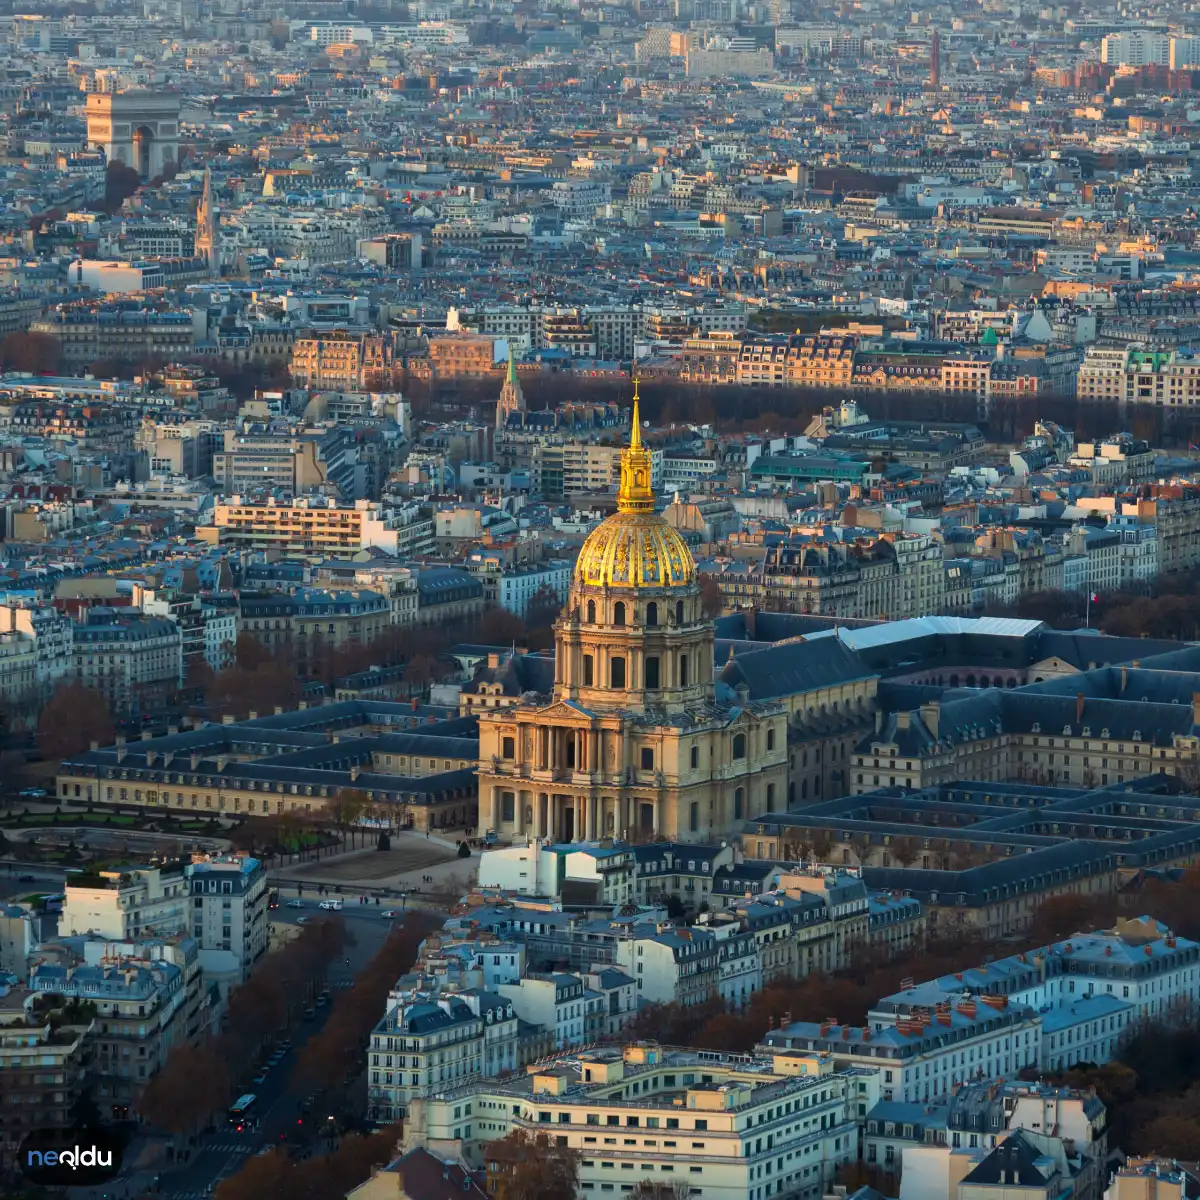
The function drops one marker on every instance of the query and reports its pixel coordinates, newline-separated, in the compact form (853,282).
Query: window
(739,801)
(695,757)
(591,612)
(647,758)
(616,669)
(619,613)
(589,668)
(679,611)
(508,747)
(739,745)
(694,818)
(683,670)
(770,739)
(651,613)
(652,673)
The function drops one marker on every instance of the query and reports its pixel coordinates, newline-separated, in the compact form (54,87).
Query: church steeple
(512,399)
(207,236)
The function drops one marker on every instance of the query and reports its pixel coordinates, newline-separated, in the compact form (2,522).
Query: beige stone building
(635,740)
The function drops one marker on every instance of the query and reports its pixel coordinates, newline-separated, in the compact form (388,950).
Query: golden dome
(635,548)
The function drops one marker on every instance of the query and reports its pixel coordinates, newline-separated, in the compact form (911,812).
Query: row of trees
(277,1176)
(1151,1091)
(329,1058)
(1169,609)
(198,1081)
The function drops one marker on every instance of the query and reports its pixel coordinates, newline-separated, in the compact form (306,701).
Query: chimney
(931,715)
(1079,707)
(195,760)
(279,710)
(95,744)
(303,705)
(121,750)
(150,756)
(1124,678)
(1196,708)
(146,735)
(903,719)
(354,772)
(878,720)
(227,719)
(252,715)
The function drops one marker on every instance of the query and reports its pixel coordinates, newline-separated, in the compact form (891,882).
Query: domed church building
(638,739)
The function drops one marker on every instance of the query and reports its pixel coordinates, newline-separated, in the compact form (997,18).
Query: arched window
(651,613)
(591,611)
(770,739)
(589,673)
(619,613)
(739,745)
(739,802)
(679,611)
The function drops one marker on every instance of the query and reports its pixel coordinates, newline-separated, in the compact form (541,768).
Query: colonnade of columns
(557,748)
(570,817)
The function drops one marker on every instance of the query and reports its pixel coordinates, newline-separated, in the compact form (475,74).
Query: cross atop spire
(635,434)
(635,494)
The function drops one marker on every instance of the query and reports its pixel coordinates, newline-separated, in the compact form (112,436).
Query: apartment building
(221,901)
(44,1073)
(671,965)
(254,457)
(430,1044)
(319,526)
(18,667)
(735,1127)
(149,998)
(51,634)
(560,1002)
(311,622)
(124,331)
(341,361)
(974,1121)
(1139,969)
(228,916)
(1174,510)
(888,577)
(927,1055)
(135,662)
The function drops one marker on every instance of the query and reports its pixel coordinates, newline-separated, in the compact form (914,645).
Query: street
(277,1107)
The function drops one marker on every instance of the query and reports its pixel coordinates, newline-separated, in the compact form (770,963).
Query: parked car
(32,793)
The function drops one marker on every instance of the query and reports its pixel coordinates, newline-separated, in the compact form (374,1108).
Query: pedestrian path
(231,1146)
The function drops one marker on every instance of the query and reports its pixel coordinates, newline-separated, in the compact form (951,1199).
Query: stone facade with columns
(637,738)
